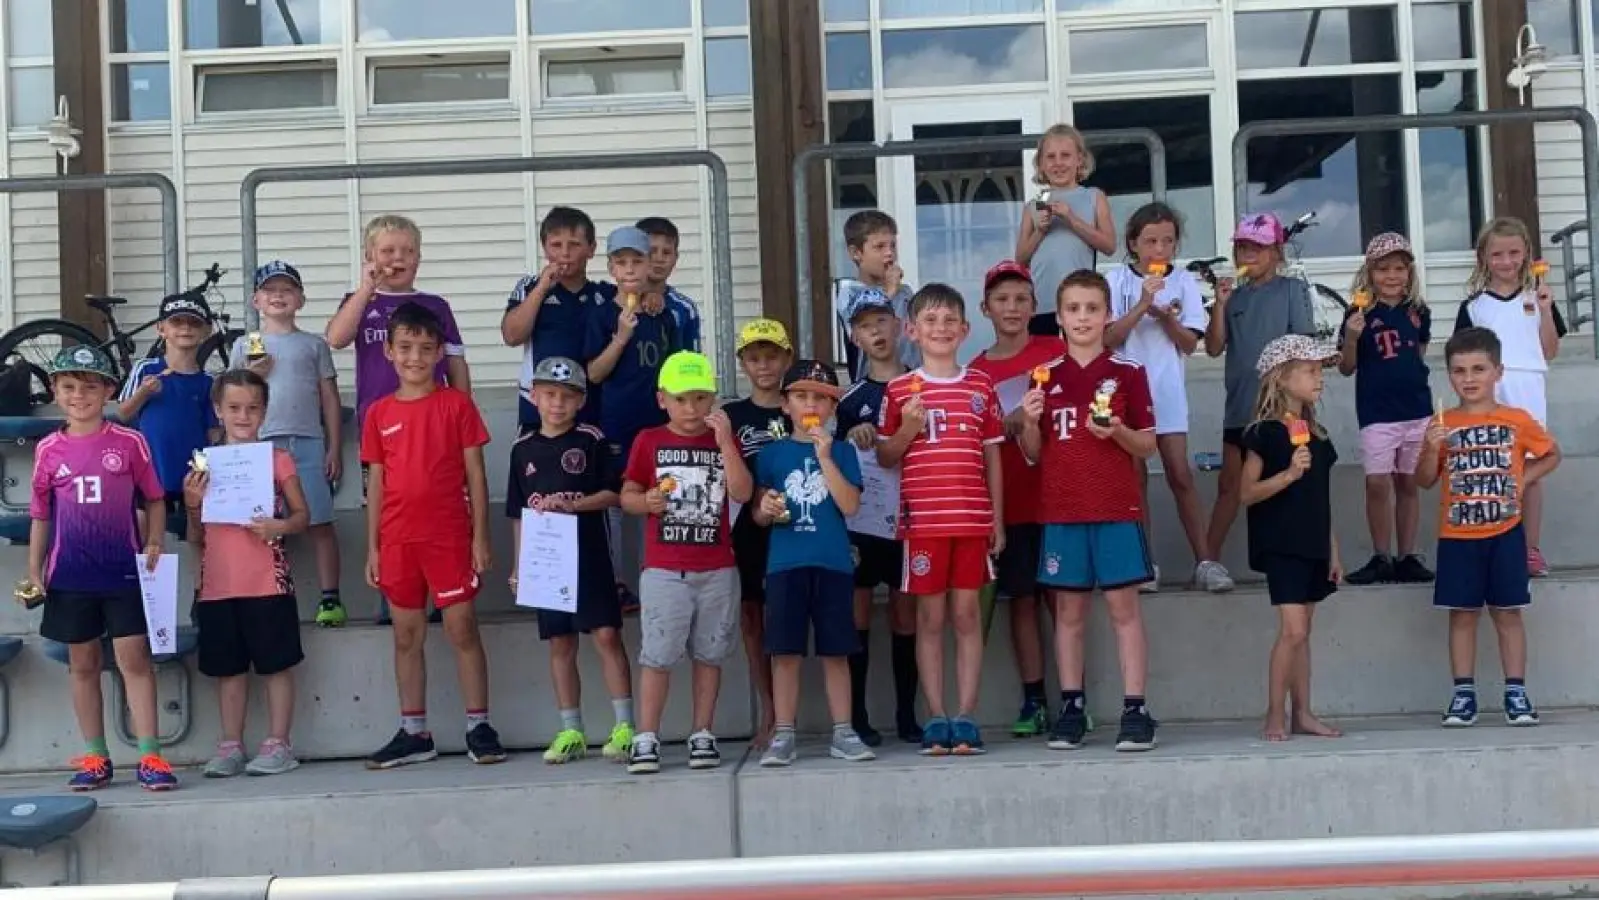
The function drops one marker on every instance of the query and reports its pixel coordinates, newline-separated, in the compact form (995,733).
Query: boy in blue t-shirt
(807,490)
(168,399)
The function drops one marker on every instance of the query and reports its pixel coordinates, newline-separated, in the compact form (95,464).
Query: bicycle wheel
(1329,309)
(217,351)
(36,343)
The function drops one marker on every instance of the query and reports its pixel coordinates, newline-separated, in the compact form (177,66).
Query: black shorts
(877,561)
(1017,566)
(177,517)
(260,634)
(78,617)
(751,546)
(1490,571)
(1294,579)
(597,607)
(1233,437)
(806,600)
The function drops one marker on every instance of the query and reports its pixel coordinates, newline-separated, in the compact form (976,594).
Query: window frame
(196,70)
(398,56)
(586,51)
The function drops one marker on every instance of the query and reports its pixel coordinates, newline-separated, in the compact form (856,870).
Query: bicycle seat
(104,303)
(28,823)
(188,640)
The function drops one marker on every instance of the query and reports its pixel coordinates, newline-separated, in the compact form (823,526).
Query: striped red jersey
(943,485)
(1013,378)
(1086,478)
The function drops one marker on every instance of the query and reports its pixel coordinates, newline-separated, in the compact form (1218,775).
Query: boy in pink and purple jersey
(89,478)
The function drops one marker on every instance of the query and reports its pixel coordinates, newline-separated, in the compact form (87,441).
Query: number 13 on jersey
(88,488)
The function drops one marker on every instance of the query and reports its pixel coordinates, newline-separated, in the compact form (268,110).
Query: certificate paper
(879,511)
(546,563)
(241,489)
(160,592)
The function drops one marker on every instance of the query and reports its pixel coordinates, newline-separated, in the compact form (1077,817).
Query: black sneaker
(483,745)
(1137,731)
(1071,726)
(402,750)
(1377,570)
(1411,570)
(644,757)
(905,725)
(702,751)
(868,735)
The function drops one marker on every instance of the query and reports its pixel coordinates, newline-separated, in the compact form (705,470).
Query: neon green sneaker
(1032,721)
(330,613)
(567,746)
(616,749)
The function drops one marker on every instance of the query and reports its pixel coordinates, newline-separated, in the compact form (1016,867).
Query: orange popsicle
(809,422)
(916,384)
(1241,272)
(1040,376)
(1360,300)
(667,485)
(1540,268)
(1298,432)
(1156,269)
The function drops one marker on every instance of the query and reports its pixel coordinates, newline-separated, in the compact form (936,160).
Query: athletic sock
(1033,692)
(414,721)
(96,747)
(571,720)
(149,746)
(476,717)
(622,709)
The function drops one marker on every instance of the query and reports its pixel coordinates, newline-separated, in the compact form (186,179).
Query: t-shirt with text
(1013,378)
(815,534)
(692,536)
(236,563)
(375,377)
(175,421)
(301,362)
(1297,520)
(1390,369)
(943,484)
(88,487)
(1087,478)
(421,444)
(576,464)
(1481,465)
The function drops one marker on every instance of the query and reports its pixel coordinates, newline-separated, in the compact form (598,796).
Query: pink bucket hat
(1264,229)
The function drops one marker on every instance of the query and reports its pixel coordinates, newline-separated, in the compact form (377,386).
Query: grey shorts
(687,612)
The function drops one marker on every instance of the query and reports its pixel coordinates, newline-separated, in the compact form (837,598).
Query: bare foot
(1305,723)
(1276,729)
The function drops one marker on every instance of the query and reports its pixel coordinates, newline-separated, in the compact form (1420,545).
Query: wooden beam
(81,215)
(1512,158)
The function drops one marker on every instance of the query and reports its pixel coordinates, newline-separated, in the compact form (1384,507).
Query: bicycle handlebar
(1204,268)
(1301,225)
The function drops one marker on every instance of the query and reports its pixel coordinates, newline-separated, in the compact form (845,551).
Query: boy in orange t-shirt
(1487,456)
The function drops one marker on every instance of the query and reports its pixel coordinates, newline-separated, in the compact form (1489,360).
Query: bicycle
(1328,307)
(36,343)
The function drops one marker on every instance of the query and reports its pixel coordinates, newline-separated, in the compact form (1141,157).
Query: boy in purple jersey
(89,479)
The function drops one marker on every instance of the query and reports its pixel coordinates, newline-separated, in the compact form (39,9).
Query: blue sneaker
(155,774)
(1462,712)
(1519,710)
(968,740)
(936,737)
(94,772)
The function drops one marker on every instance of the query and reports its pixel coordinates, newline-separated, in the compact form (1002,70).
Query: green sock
(96,747)
(147,746)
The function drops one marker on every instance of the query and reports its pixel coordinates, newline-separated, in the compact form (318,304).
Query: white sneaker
(274,758)
(1153,585)
(1212,576)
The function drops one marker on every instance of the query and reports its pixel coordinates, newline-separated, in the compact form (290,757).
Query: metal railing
(172,274)
(1565,239)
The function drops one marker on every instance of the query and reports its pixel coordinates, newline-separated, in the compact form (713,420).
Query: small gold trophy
(1042,203)
(255,348)
(198,462)
(1099,411)
(783,517)
(28,594)
(631,304)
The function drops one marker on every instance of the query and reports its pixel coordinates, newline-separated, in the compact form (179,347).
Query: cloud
(958,57)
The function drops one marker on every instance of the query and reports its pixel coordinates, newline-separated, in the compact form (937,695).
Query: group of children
(1021,474)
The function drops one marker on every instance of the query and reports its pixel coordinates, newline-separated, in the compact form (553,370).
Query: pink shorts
(1392,447)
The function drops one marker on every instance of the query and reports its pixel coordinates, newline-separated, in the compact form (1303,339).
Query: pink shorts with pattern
(1391,447)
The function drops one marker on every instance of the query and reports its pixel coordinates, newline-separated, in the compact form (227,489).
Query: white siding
(1561,199)
(35,268)
(137,260)
(732,136)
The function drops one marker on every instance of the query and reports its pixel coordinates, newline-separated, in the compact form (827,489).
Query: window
(725,13)
(1122,170)
(220,24)
(947,57)
(141,92)
(849,61)
(33,95)
(580,16)
(854,180)
(644,71)
(727,67)
(28,28)
(846,10)
(1315,37)
(1108,50)
(29,45)
(1096,6)
(1443,31)
(1556,24)
(228,89)
(1354,183)
(138,26)
(939,9)
(414,20)
(398,81)
(1451,163)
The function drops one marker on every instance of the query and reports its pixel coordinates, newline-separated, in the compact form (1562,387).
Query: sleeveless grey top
(1062,252)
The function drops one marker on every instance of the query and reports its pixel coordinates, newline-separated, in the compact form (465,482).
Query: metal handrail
(1572,271)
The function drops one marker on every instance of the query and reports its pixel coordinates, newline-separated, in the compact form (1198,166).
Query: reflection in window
(138,26)
(1443,31)
(1556,24)
(141,92)
(1138,49)
(225,90)
(1129,5)
(33,96)
(431,81)
(935,9)
(849,61)
(1355,183)
(947,57)
(727,67)
(28,31)
(846,10)
(214,24)
(613,76)
(854,180)
(1122,170)
(725,13)
(410,20)
(1451,163)
(579,16)
(1315,37)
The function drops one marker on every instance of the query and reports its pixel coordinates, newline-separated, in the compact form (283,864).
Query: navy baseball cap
(278,269)
(869,300)
(184,304)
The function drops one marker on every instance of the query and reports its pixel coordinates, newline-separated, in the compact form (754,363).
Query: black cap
(812,375)
(184,304)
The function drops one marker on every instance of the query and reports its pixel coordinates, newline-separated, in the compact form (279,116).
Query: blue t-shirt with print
(627,398)
(1390,371)
(816,534)
(175,421)
(560,330)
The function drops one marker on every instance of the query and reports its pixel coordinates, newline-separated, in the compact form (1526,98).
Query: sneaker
(848,746)
(780,752)
(1411,570)
(627,599)
(1152,586)
(1537,566)
(569,744)
(702,751)
(1137,731)
(620,742)
(1032,721)
(94,772)
(869,736)
(1519,710)
(644,756)
(1462,712)
(1213,577)
(936,737)
(965,737)
(228,762)
(330,613)
(274,757)
(909,731)
(402,750)
(1377,570)
(155,774)
(483,745)
(1071,726)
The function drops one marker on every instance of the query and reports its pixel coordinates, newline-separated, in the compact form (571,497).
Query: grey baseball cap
(628,238)
(562,371)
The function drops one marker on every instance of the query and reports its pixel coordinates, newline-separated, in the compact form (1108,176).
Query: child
(1158,320)
(428,532)
(564,467)
(1506,299)
(1242,323)
(247,615)
(547,314)
(1384,343)
(1068,225)
(1009,303)
(1287,485)
(764,352)
(871,237)
(305,417)
(942,422)
(681,476)
(663,262)
(83,546)
(807,491)
(879,560)
(1487,455)
(168,398)
(1086,425)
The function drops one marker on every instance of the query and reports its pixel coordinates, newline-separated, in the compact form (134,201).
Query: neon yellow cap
(685,372)
(763,331)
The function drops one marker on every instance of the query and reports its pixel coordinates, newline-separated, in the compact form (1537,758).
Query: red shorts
(934,565)
(408,573)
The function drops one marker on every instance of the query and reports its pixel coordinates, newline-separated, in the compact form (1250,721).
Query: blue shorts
(799,601)
(310,463)
(1483,572)
(1082,556)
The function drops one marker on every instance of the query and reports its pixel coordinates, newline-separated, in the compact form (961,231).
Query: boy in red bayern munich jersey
(1097,421)
(941,424)
(428,532)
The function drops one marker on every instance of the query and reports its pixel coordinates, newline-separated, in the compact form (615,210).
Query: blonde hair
(384,224)
(1363,282)
(1274,404)
(1063,130)
(1504,226)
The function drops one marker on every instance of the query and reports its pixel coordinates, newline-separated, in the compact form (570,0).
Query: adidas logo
(63,471)
(1054,390)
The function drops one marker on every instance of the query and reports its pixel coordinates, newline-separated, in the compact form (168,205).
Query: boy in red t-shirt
(428,532)
(1098,421)
(681,476)
(941,424)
